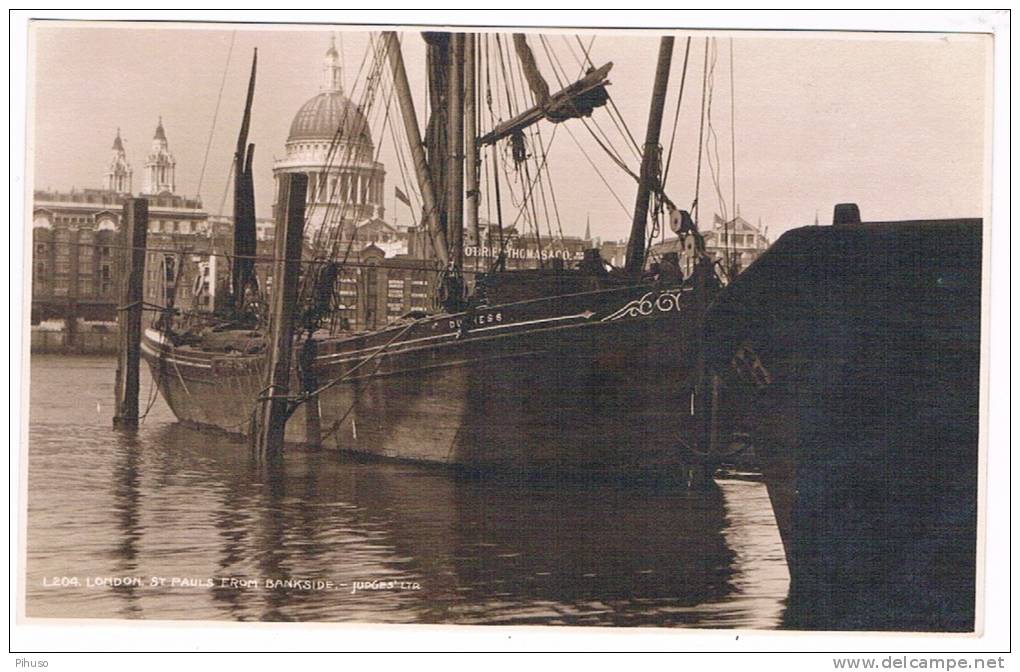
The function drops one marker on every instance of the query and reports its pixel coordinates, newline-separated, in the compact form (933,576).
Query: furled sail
(243,275)
(576,100)
(536,82)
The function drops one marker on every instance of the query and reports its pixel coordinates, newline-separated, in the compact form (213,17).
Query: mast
(421,166)
(455,138)
(243,266)
(470,141)
(649,161)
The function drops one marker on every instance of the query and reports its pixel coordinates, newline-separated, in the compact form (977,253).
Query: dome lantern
(332,70)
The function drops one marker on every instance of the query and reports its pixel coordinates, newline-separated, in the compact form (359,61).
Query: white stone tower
(118,174)
(160,164)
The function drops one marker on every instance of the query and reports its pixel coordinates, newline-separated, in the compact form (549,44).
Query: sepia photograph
(482,325)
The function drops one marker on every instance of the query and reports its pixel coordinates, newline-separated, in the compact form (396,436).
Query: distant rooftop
(112,198)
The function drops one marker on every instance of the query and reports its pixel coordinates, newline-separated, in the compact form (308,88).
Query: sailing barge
(556,371)
(540,384)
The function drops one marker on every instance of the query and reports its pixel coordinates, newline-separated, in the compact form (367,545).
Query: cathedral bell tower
(118,174)
(160,164)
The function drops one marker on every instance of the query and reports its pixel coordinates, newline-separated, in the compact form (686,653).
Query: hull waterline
(603,384)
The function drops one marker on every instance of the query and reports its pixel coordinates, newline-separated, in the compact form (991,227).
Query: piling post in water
(309,384)
(134,227)
(71,322)
(713,419)
(705,391)
(273,406)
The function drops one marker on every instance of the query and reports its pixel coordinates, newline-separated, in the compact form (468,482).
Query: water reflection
(127,501)
(173,502)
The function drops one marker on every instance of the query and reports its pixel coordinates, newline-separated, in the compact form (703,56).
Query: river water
(175,523)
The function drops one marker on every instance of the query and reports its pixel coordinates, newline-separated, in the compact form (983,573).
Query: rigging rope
(614,110)
(597,171)
(548,177)
(696,206)
(676,117)
(216,114)
(333,226)
(329,216)
(495,162)
(733,144)
(557,69)
(536,136)
(370,93)
(715,167)
(609,149)
(541,187)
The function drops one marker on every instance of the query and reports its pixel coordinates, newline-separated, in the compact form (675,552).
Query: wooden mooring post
(705,399)
(134,227)
(274,405)
(309,384)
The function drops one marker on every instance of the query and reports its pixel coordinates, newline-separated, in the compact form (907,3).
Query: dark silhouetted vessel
(852,355)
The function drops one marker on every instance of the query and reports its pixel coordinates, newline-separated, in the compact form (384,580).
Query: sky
(893,122)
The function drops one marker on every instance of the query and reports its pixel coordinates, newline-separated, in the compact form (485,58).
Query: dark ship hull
(592,382)
(852,356)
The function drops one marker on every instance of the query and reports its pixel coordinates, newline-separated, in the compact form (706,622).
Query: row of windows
(64,249)
(174,226)
(70,221)
(738,238)
(393,293)
(87,286)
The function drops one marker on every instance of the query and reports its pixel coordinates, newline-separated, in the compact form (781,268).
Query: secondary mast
(243,267)
(649,179)
(471,140)
(421,166)
(455,158)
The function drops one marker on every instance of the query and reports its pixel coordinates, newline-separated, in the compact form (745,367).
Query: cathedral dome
(347,173)
(320,117)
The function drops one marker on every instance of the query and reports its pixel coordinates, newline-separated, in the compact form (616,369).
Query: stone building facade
(76,240)
(741,240)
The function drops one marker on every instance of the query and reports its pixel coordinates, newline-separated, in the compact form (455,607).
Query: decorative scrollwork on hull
(663,302)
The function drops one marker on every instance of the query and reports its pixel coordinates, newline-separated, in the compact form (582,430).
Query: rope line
(676,117)
(216,114)
(696,207)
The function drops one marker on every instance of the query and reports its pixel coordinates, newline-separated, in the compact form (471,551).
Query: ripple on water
(169,501)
